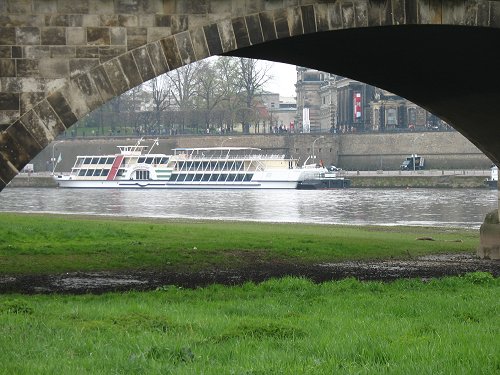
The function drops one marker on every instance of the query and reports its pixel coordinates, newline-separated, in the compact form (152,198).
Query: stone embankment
(365,179)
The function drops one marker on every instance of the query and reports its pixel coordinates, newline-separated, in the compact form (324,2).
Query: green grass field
(50,244)
(286,326)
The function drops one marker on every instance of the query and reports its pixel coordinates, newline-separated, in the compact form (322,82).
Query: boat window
(142,175)
(189,177)
(163,160)
(223,177)
(214,177)
(97,172)
(87,161)
(248,177)
(82,172)
(204,165)
(230,177)
(104,172)
(120,172)
(149,160)
(197,177)
(90,172)
(95,160)
(213,165)
(239,177)
(205,177)
(141,159)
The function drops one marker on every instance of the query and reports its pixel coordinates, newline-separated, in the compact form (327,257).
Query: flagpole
(54,164)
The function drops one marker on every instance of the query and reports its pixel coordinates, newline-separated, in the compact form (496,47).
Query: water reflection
(443,207)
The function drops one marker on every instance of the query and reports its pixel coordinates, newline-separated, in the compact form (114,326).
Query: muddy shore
(425,267)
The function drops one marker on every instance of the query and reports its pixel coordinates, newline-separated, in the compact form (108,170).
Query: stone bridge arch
(59,60)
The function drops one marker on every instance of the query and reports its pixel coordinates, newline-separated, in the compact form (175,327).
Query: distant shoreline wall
(441,150)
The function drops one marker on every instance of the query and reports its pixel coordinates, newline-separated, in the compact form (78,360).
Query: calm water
(438,207)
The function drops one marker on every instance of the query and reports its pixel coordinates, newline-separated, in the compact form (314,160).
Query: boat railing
(231,157)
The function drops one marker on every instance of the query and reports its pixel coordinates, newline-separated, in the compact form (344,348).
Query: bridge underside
(452,71)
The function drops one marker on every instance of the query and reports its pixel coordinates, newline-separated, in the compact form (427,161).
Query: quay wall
(441,150)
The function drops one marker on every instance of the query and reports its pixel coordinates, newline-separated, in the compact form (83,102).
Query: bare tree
(160,92)
(252,76)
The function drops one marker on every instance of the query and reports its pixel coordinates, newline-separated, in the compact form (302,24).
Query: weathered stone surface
(294,16)
(54,68)
(267,25)
(18,6)
(6,52)
(87,52)
(53,36)
(213,39)
(62,51)
(308,19)
(102,83)
(116,76)
(7,35)
(87,87)
(27,35)
(7,170)
(29,99)
(50,120)
(108,53)
(171,52)
(19,154)
(254,29)
(158,59)
(321,11)
(27,68)
(75,36)
(143,63)
(9,102)
(199,43)
(36,52)
(186,51)
(163,20)
(335,16)
(73,7)
(7,68)
(80,66)
(240,32)
(17,52)
(130,70)
(118,36)
(226,33)
(7,118)
(98,36)
(62,109)
(136,37)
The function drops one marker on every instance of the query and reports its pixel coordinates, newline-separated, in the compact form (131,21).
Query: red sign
(357,105)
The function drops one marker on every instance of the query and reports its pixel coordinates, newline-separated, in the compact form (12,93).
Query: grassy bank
(47,244)
(287,326)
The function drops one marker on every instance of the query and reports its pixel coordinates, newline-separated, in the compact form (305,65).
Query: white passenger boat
(187,168)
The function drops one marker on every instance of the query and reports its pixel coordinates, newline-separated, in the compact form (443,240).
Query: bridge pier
(489,246)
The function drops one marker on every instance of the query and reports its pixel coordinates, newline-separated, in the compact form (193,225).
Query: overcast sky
(285,77)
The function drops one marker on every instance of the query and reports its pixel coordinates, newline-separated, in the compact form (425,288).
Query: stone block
(267,25)
(281,23)
(20,154)
(47,6)
(108,53)
(62,52)
(17,52)
(91,20)
(64,20)
(73,7)
(158,59)
(116,76)
(27,68)
(87,52)
(7,68)
(128,20)
(199,43)
(361,15)
(81,66)
(9,101)
(294,20)
(38,129)
(27,36)
(118,36)
(130,70)
(7,35)
(127,6)
(29,99)
(102,83)
(240,32)
(53,36)
(36,52)
(76,99)
(334,16)
(61,107)
(163,20)
(98,36)
(308,19)
(180,23)
(171,53)
(186,51)
(87,87)
(8,117)
(398,12)
(254,29)
(18,6)
(227,37)
(213,39)
(75,36)
(7,170)
(5,52)
(54,68)
(157,33)
(321,11)
(143,63)
(136,37)
(430,13)
(101,7)
(109,20)
(146,20)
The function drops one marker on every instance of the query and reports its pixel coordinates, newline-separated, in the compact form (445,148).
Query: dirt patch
(425,267)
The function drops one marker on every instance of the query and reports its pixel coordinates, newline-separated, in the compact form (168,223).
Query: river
(423,207)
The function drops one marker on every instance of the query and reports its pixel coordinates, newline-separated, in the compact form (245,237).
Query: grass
(286,326)
(42,244)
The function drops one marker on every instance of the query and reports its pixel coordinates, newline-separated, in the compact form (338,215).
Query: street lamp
(313,155)
(53,160)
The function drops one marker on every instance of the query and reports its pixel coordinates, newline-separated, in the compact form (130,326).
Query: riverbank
(363,179)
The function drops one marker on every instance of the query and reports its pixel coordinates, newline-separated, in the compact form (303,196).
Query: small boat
(492,181)
(325,181)
(187,168)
